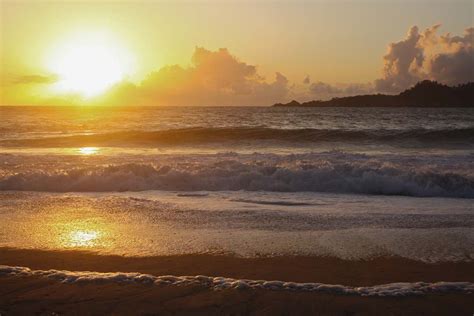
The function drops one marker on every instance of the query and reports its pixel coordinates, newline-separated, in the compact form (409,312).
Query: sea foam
(287,174)
(220,283)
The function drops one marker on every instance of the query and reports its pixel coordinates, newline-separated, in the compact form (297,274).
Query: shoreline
(328,270)
(27,296)
(49,295)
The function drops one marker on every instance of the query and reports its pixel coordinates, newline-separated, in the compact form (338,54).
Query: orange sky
(219,52)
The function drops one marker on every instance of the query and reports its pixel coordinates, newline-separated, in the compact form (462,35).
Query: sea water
(347,182)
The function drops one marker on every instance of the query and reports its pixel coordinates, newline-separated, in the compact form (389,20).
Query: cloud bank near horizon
(214,78)
(218,78)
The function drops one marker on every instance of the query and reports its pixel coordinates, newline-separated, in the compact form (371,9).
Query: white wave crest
(291,175)
(219,283)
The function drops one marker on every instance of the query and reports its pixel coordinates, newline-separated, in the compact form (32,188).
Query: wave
(220,283)
(364,177)
(238,134)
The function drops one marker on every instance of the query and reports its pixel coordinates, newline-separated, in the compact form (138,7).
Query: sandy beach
(40,296)
(22,295)
(328,270)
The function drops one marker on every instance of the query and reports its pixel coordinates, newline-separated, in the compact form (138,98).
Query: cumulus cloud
(427,55)
(219,78)
(421,55)
(456,64)
(214,78)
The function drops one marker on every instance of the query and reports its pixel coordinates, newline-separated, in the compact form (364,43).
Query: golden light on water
(83,238)
(81,234)
(68,223)
(76,227)
(88,150)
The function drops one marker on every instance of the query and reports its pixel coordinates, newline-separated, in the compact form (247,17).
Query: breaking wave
(220,283)
(219,135)
(364,177)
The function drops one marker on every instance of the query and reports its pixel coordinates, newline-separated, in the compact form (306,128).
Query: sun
(89,63)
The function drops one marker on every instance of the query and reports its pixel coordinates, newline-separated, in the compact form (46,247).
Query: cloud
(456,65)
(34,79)
(421,55)
(213,78)
(358,88)
(322,90)
(24,89)
(9,80)
(426,55)
(219,78)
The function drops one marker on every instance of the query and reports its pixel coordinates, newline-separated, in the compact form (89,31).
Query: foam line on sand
(220,283)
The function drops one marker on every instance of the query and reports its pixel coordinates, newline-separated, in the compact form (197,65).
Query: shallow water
(351,183)
(221,283)
(241,223)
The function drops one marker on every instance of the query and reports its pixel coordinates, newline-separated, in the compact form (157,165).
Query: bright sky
(331,41)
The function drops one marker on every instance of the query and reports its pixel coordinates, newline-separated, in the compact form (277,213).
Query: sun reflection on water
(81,233)
(88,150)
(83,238)
(82,224)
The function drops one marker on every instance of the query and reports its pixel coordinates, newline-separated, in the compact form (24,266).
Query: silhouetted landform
(424,94)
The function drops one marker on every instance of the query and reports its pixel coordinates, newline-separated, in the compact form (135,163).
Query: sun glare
(88,150)
(81,238)
(88,64)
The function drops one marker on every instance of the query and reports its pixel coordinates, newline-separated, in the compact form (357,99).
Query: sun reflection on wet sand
(105,224)
(82,233)
(88,150)
(75,227)
(82,238)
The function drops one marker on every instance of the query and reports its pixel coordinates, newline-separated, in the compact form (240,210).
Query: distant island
(424,94)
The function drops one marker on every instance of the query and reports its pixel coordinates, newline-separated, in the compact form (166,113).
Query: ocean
(353,183)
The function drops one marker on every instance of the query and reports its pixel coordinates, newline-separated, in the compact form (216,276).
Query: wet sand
(329,270)
(28,296)
(33,295)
